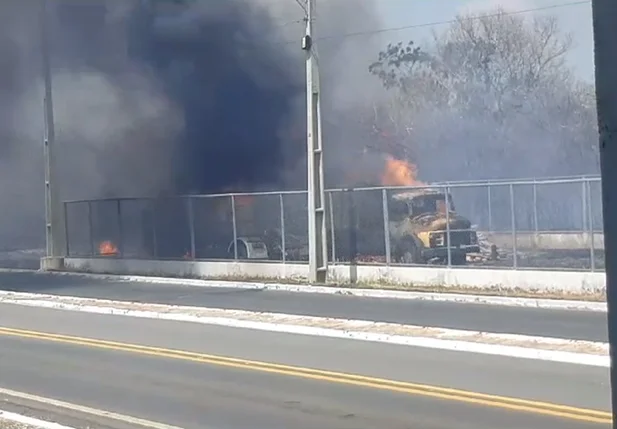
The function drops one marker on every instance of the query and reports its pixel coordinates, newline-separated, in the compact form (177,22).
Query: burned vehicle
(420,223)
(170,230)
(417,224)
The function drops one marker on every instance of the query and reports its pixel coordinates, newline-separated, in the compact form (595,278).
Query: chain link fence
(543,224)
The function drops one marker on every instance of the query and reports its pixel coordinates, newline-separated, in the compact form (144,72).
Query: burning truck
(423,227)
(418,224)
(419,221)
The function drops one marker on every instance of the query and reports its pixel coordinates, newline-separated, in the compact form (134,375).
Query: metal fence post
(513,222)
(386,225)
(66,229)
(154,237)
(283,240)
(90,229)
(449,247)
(191,215)
(490,208)
(584,205)
(120,228)
(535,208)
(353,238)
(234,227)
(592,250)
(332,229)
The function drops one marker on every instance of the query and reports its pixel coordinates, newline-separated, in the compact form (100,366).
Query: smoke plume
(159,97)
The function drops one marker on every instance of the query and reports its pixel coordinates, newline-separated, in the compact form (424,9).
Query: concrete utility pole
(318,246)
(55,234)
(605,39)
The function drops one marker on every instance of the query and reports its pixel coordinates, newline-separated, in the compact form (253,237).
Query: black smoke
(159,97)
(234,88)
(218,65)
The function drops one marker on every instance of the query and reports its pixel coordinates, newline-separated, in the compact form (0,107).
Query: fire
(399,173)
(240,200)
(243,200)
(107,248)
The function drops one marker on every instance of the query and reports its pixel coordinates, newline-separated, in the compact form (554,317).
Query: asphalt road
(189,379)
(552,323)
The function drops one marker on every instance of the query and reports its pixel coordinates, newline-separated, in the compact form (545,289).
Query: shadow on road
(34,281)
(85,286)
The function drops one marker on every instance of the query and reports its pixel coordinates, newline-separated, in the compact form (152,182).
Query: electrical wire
(426,24)
(451,21)
(437,23)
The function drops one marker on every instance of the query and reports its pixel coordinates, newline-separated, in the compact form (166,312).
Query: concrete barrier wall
(460,278)
(546,240)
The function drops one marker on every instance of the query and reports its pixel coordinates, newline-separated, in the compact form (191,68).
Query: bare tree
(495,94)
(504,57)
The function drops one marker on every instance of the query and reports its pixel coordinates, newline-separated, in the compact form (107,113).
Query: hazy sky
(575,19)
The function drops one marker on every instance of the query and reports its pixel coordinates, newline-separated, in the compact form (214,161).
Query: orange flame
(243,200)
(107,248)
(399,173)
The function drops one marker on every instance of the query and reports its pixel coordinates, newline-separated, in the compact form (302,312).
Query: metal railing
(551,224)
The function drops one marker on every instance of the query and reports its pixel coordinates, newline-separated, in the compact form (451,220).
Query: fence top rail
(439,185)
(587,177)
(455,185)
(185,196)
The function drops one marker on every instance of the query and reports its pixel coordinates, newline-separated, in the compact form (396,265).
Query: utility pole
(318,246)
(55,234)
(605,41)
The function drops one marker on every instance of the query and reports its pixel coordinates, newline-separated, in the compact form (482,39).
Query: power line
(451,21)
(422,25)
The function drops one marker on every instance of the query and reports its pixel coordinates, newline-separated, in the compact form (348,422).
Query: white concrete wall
(472,278)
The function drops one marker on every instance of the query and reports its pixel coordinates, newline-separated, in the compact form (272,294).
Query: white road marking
(83,410)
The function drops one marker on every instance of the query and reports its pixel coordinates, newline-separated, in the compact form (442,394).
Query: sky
(574,19)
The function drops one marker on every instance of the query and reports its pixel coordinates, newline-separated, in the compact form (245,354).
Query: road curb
(461,298)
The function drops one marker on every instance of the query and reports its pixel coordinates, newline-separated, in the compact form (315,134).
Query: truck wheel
(458,259)
(409,253)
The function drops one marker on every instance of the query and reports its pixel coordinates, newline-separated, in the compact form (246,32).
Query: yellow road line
(508,403)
